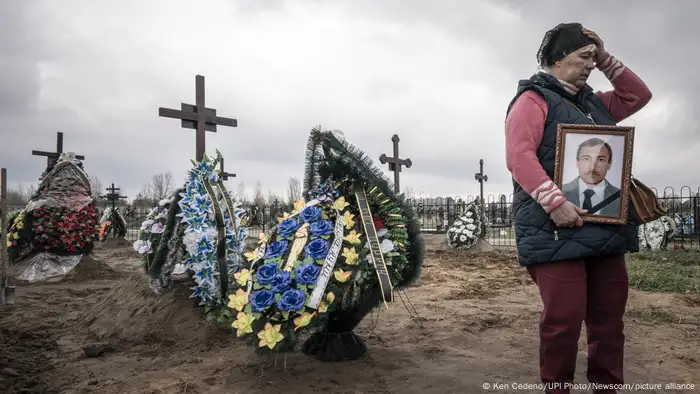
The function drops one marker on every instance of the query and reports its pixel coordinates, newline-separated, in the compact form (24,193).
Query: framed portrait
(593,169)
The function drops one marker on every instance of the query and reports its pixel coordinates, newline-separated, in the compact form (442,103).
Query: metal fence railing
(437,214)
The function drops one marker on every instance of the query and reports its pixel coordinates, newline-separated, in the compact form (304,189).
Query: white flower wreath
(467,229)
(657,234)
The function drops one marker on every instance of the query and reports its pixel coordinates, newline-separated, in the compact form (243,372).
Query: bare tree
(259,198)
(294,190)
(95,186)
(242,195)
(19,195)
(161,187)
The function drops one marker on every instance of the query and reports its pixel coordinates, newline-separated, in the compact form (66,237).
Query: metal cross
(113,195)
(52,157)
(395,162)
(223,174)
(198,117)
(481,178)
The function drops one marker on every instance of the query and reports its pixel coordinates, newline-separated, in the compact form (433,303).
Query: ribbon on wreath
(375,250)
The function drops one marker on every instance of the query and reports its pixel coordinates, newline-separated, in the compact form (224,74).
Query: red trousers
(593,291)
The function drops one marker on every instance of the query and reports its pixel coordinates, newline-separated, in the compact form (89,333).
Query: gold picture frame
(606,179)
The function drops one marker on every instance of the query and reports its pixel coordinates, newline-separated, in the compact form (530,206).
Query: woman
(579,269)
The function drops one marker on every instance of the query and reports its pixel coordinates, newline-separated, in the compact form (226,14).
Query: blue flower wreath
(200,236)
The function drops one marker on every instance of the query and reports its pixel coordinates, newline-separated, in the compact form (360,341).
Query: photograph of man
(594,158)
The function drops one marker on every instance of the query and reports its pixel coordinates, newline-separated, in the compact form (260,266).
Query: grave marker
(395,163)
(52,157)
(198,117)
(481,178)
(113,195)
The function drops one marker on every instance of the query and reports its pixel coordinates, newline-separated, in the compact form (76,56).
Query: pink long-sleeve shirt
(525,127)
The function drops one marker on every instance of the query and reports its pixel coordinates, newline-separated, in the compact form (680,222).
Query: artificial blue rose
(287,227)
(307,274)
(281,282)
(266,272)
(322,227)
(310,214)
(259,300)
(317,249)
(292,300)
(276,249)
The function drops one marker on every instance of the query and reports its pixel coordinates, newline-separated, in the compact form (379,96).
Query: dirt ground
(478,324)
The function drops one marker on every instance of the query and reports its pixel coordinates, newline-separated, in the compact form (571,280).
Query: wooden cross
(481,178)
(113,195)
(395,163)
(198,117)
(223,174)
(52,157)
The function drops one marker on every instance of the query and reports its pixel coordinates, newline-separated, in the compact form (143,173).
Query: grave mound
(57,227)
(131,314)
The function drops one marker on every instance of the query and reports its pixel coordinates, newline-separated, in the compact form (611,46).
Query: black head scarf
(561,41)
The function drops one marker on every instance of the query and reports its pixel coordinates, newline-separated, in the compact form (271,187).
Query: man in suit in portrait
(593,161)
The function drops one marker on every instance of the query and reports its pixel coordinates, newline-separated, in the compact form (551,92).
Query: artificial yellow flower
(242,276)
(237,301)
(284,216)
(270,335)
(330,297)
(250,256)
(347,220)
(353,237)
(303,320)
(322,307)
(299,204)
(350,255)
(261,237)
(243,324)
(340,203)
(342,276)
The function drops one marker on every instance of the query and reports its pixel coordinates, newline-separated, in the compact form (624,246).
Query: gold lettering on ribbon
(375,248)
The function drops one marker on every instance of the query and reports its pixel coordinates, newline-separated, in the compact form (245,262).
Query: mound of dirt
(131,314)
(90,268)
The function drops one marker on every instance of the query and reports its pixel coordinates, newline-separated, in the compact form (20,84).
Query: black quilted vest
(534,230)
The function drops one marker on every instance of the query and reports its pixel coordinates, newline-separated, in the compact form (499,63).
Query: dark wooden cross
(395,163)
(198,117)
(113,195)
(481,178)
(52,157)
(223,174)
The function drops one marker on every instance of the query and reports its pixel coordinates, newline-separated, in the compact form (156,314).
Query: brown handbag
(645,202)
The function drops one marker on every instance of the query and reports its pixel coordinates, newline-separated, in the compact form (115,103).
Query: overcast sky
(438,73)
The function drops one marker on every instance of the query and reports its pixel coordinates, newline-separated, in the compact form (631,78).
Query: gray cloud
(439,74)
